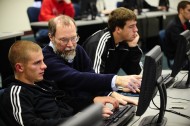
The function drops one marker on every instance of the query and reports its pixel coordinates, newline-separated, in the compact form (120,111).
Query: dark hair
(182,5)
(119,16)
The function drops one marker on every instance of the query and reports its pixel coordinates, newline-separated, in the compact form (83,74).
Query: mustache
(69,49)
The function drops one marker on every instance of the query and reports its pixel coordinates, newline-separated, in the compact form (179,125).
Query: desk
(44,24)
(101,20)
(172,119)
(6,40)
(79,23)
(158,13)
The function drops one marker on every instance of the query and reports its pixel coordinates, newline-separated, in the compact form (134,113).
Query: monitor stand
(152,121)
(184,84)
(158,120)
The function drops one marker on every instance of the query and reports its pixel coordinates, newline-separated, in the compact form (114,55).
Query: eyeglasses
(65,41)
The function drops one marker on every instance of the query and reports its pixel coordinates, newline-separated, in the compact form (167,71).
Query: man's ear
(19,67)
(50,37)
(118,29)
(181,10)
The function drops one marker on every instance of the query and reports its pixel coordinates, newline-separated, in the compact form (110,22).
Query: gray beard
(69,57)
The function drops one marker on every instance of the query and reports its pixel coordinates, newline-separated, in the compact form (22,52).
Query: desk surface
(158,13)
(100,20)
(7,35)
(178,94)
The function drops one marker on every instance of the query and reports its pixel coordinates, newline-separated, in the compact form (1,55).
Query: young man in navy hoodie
(32,101)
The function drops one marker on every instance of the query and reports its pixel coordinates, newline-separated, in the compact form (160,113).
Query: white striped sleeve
(15,101)
(99,51)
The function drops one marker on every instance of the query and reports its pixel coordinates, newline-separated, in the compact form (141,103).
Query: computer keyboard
(168,80)
(121,116)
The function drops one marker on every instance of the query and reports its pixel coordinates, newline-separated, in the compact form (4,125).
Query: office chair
(5,119)
(40,35)
(2,121)
(162,37)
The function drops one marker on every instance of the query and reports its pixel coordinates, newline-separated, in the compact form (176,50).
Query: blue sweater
(76,77)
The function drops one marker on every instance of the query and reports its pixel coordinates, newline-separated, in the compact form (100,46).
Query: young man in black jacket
(32,101)
(116,46)
(176,26)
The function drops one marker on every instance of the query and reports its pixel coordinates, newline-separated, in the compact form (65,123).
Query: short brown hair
(19,51)
(119,16)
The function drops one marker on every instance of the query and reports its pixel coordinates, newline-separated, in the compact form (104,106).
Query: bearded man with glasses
(71,68)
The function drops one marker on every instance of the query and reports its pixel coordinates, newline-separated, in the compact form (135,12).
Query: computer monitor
(139,6)
(152,81)
(88,7)
(134,4)
(164,3)
(181,60)
(91,116)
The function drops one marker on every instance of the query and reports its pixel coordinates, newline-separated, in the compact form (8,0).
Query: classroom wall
(13,15)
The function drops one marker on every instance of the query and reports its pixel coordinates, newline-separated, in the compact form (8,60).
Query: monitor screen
(164,3)
(152,81)
(88,7)
(91,116)
(182,59)
(133,4)
(139,6)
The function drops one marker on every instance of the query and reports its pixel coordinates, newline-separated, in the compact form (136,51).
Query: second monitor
(152,82)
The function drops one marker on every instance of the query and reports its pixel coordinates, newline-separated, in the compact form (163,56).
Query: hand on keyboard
(104,100)
(124,99)
(132,82)
(107,112)
(128,90)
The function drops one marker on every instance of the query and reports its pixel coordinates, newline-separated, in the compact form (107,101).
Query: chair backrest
(2,122)
(162,34)
(5,119)
(33,13)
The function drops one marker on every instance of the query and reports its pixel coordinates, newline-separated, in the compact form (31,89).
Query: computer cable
(175,81)
(178,113)
(135,121)
(178,98)
(171,111)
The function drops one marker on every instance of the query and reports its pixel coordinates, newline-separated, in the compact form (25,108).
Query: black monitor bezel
(152,82)
(182,59)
